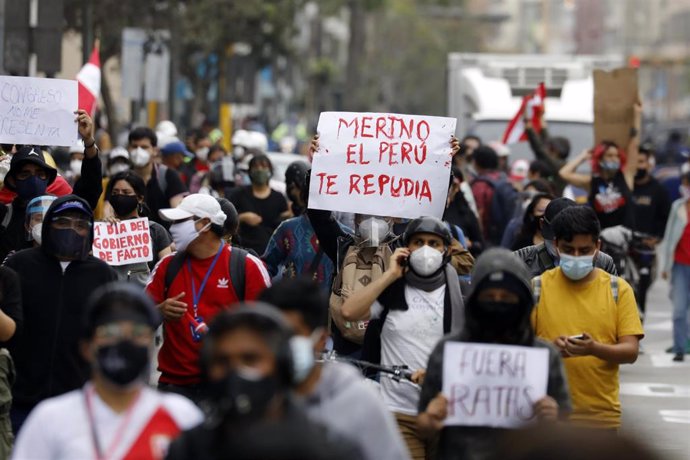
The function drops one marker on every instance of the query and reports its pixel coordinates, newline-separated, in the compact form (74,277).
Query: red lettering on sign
(342,122)
(366,125)
(354,183)
(369,184)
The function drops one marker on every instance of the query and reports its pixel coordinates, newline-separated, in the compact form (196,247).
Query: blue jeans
(680,296)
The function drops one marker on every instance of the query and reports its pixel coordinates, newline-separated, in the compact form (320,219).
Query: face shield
(35,212)
(373,230)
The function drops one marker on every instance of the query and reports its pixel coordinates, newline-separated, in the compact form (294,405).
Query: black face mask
(640,174)
(240,397)
(498,316)
(123,363)
(68,244)
(123,205)
(31,187)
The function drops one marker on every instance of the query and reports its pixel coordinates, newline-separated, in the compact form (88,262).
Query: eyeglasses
(66,223)
(41,174)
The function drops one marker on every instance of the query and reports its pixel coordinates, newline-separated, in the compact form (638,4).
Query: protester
(540,170)
(523,200)
(551,151)
(11,321)
(294,249)
(173,156)
(542,257)
(29,176)
(613,177)
(333,393)
(261,209)
(35,214)
(530,232)
(125,194)
(203,278)
(420,299)
(56,280)
(503,152)
(675,251)
(232,222)
(202,181)
(250,369)
(519,171)
(494,195)
(652,207)
(497,312)
(459,213)
(591,316)
(164,188)
(76,157)
(115,415)
(118,161)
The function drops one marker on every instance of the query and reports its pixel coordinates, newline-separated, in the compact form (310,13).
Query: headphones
(273,321)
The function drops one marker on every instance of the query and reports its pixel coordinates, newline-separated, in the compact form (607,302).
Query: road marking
(676,416)
(655,390)
(663,359)
(659,326)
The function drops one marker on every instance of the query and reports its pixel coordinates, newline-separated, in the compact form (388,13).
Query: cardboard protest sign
(38,111)
(125,242)
(382,164)
(615,94)
(493,385)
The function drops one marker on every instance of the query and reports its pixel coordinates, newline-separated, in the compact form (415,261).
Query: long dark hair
(530,225)
(137,184)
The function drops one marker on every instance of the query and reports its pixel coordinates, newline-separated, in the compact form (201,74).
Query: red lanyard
(88,391)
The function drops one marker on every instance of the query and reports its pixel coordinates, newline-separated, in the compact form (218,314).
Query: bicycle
(399,373)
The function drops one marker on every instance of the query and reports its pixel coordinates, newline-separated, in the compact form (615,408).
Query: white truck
(485,91)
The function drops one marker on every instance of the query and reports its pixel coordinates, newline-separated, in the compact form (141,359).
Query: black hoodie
(476,443)
(46,353)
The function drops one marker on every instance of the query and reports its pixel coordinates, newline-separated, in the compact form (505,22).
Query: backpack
(236,266)
(536,288)
(162,178)
(360,267)
(501,207)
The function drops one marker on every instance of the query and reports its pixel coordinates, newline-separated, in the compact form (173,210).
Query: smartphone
(402,261)
(577,337)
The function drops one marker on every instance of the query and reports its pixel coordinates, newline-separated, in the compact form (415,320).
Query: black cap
(119,301)
(550,213)
(29,154)
(296,174)
(428,225)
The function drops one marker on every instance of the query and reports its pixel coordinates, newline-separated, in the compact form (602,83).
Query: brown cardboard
(615,94)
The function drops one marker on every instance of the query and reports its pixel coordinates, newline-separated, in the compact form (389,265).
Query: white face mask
(183,233)
(140,157)
(426,261)
(373,231)
(75,167)
(302,349)
(36,233)
(202,153)
(118,168)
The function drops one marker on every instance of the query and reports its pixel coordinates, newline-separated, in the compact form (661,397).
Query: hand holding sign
(85,126)
(122,243)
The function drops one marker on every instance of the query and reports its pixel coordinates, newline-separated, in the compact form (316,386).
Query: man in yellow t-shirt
(590,316)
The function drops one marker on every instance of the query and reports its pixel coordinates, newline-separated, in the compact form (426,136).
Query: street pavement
(655,392)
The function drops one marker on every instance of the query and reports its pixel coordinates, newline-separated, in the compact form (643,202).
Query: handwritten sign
(37,111)
(126,242)
(615,94)
(493,385)
(382,164)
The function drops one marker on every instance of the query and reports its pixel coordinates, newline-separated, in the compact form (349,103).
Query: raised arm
(633,147)
(89,186)
(569,175)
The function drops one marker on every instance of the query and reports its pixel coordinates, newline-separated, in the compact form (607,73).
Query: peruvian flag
(534,105)
(89,78)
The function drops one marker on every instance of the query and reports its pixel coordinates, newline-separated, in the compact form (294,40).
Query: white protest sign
(125,242)
(38,111)
(493,385)
(382,164)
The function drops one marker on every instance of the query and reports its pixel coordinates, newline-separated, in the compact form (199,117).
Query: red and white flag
(534,105)
(89,78)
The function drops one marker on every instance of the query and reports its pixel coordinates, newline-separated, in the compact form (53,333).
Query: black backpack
(236,265)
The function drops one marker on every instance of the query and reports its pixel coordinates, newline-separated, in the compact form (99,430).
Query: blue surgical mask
(302,349)
(30,187)
(576,268)
(610,165)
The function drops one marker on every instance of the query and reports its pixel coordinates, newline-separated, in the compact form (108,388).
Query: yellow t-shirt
(569,308)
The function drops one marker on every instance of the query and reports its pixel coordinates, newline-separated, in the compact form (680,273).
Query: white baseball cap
(197,204)
(118,152)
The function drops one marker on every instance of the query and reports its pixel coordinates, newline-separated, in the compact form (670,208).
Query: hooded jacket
(474,443)
(46,353)
(538,260)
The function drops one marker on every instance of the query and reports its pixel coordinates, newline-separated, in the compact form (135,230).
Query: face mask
(117,168)
(140,157)
(498,316)
(684,191)
(123,363)
(576,268)
(36,233)
(243,395)
(202,153)
(123,205)
(68,244)
(260,176)
(426,261)
(303,355)
(551,249)
(640,174)
(31,187)
(183,233)
(610,166)
(373,231)
(75,167)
